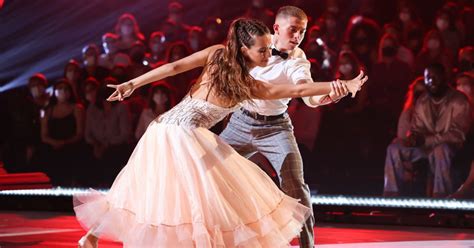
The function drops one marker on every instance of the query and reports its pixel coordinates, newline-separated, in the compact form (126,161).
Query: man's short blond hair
(291,11)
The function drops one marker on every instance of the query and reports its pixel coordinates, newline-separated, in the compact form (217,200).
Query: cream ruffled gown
(184,187)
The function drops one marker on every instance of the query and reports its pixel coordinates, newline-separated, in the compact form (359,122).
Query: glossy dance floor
(52,229)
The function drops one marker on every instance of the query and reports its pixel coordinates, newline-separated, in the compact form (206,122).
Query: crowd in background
(66,128)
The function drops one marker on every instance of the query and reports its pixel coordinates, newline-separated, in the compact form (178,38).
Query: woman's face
(72,73)
(404,15)
(361,42)
(442,22)
(37,88)
(90,93)
(259,53)
(160,97)
(434,42)
(126,27)
(345,66)
(62,93)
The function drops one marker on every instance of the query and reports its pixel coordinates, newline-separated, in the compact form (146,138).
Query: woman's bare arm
(197,59)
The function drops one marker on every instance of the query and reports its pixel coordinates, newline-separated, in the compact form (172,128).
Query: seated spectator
(387,86)
(441,120)
(195,39)
(414,41)
(345,119)
(174,27)
(108,132)
(466,17)
(362,35)
(465,84)
(452,37)
(258,10)
(73,74)
(409,24)
(213,31)
(160,100)
(311,48)
(137,59)
(433,51)
(22,118)
(111,56)
(90,61)
(62,130)
(347,67)
(91,86)
(119,72)
(37,85)
(157,47)
(128,32)
(403,53)
(415,90)
(317,48)
(181,82)
(466,60)
(332,30)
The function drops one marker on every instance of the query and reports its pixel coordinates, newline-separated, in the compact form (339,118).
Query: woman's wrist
(131,85)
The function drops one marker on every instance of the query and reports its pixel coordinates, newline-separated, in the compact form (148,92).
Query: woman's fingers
(340,90)
(346,90)
(112,96)
(120,93)
(364,79)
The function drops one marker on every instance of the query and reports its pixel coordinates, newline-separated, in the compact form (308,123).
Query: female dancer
(183,186)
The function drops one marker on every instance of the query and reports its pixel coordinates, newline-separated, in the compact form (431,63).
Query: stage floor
(53,229)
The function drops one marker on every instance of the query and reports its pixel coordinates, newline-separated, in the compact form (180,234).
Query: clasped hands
(341,88)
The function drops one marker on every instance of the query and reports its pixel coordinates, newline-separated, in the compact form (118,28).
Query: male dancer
(264,126)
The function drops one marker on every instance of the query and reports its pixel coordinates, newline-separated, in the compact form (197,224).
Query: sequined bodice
(194,112)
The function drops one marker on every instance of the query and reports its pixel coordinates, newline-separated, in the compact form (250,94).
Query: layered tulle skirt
(185,187)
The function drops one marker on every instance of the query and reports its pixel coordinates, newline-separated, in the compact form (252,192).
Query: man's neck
(278,46)
(440,96)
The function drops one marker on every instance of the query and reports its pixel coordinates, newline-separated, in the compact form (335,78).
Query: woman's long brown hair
(228,68)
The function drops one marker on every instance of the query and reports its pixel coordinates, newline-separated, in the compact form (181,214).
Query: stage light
(428,203)
(336,200)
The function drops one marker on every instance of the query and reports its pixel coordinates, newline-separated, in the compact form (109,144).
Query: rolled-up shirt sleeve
(300,70)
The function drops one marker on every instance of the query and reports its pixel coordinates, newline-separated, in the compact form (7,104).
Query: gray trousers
(276,141)
(439,158)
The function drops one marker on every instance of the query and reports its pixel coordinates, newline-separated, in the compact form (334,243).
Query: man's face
(289,32)
(434,82)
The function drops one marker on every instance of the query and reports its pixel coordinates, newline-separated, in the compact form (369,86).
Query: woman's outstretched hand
(121,91)
(356,83)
